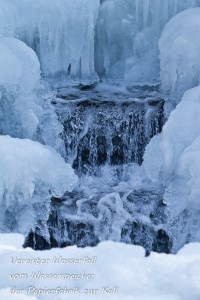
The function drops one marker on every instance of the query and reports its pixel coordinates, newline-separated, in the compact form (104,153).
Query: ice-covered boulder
(180,52)
(30,173)
(172,157)
(27,166)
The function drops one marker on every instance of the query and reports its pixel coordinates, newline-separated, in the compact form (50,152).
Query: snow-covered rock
(26,165)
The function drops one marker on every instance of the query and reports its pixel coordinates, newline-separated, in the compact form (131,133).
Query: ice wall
(127,37)
(179,52)
(61,33)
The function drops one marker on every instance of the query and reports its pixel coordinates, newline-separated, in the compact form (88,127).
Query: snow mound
(179,52)
(173,156)
(159,276)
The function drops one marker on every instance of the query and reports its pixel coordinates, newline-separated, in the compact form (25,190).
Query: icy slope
(61,33)
(158,277)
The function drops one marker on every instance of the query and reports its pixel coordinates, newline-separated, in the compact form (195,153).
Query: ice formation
(30,173)
(66,34)
(158,277)
(61,33)
(19,77)
(25,104)
(128,34)
(17,62)
(173,155)
(49,128)
(179,52)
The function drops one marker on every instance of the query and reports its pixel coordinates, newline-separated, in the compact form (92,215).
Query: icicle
(146,6)
(137,3)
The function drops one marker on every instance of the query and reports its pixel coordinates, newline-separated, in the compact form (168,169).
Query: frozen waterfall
(52,55)
(127,37)
(66,35)
(61,33)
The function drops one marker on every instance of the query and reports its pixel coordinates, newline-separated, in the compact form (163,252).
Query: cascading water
(101,130)
(105,136)
(111,129)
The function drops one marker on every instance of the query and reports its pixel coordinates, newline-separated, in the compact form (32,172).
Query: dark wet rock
(38,242)
(162,242)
